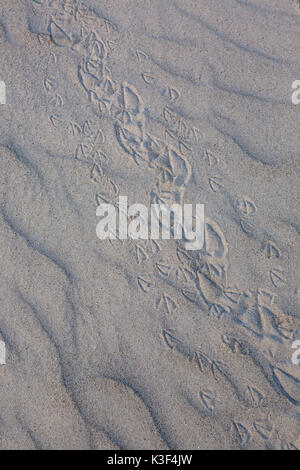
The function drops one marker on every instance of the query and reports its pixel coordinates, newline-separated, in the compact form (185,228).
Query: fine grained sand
(135,345)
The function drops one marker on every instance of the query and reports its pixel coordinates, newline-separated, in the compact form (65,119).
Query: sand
(132,344)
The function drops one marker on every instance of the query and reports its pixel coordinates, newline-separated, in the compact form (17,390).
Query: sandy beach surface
(142,344)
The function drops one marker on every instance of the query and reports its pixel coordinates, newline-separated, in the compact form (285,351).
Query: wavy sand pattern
(142,344)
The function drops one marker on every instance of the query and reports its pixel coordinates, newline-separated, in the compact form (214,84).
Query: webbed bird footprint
(289,383)
(208,400)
